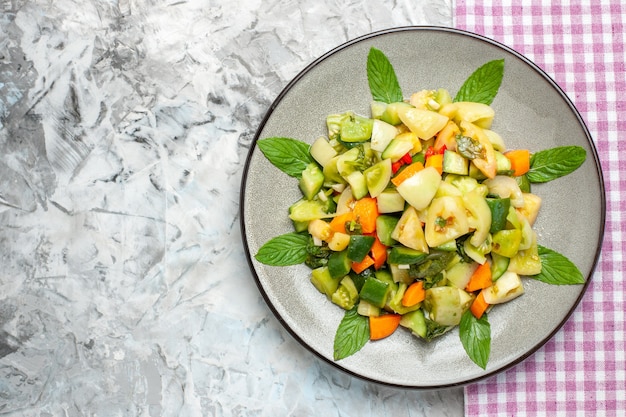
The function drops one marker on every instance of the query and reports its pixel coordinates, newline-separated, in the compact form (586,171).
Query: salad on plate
(417,216)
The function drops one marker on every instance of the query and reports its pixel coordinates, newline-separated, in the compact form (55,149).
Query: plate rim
(420,28)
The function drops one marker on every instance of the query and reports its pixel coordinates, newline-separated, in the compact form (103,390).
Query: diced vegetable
(384,325)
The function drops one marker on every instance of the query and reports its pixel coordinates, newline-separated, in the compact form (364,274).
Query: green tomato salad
(417,216)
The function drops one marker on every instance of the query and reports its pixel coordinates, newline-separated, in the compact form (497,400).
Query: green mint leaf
(550,164)
(475,336)
(382,78)
(556,269)
(484,83)
(289,155)
(284,250)
(352,334)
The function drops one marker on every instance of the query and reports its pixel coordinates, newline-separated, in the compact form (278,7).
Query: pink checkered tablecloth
(581,46)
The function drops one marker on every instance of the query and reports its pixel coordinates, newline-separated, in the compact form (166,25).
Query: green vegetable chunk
(359,246)
(375,292)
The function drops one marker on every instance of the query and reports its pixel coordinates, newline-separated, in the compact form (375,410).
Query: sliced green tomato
(321,279)
(409,232)
(446,220)
(446,305)
(506,288)
(530,210)
(419,189)
(478,113)
(526,262)
(496,140)
(506,187)
(506,242)
(480,216)
(346,295)
(356,129)
(447,189)
(487,165)
(377,177)
(424,123)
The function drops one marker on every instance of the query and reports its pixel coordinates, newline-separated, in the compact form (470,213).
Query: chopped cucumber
(306,210)
(375,292)
(455,163)
(416,322)
(359,246)
(390,114)
(401,255)
(339,264)
(311,181)
(322,151)
(397,148)
(385,225)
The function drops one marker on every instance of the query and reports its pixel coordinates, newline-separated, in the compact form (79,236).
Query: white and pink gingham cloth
(582,370)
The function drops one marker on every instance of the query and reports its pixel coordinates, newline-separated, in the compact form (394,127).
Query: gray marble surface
(124,289)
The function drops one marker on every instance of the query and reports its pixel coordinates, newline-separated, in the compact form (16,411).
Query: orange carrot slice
(520,161)
(481,278)
(407,172)
(414,294)
(383,326)
(479,305)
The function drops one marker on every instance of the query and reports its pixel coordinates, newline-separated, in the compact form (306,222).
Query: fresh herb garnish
(556,269)
(352,334)
(553,163)
(382,78)
(284,250)
(475,335)
(484,83)
(289,155)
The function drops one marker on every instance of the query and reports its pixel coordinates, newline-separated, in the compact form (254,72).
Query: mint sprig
(553,163)
(352,334)
(284,250)
(382,78)
(556,269)
(289,155)
(475,335)
(484,83)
